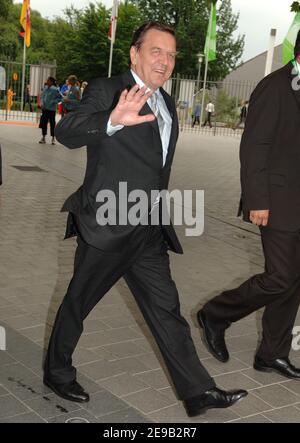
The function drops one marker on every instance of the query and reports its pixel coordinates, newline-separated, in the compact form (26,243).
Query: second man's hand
(130,103)
(259,217)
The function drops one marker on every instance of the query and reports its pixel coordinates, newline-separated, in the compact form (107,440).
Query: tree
(5,6)
(190,20)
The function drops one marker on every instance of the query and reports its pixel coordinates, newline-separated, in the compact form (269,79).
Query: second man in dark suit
(270,180)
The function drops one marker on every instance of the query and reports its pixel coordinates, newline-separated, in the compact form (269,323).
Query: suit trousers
(277,289)
(146,269)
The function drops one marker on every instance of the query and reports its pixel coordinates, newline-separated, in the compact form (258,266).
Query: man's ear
(133,55)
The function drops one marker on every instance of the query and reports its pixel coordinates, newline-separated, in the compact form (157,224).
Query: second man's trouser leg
(150,281)
(277,289)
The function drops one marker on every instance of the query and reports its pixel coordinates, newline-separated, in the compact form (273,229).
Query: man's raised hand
(130,103)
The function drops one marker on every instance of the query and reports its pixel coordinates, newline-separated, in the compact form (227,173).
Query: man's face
(154,61)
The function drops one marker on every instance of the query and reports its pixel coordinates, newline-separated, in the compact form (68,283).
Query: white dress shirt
(164,128)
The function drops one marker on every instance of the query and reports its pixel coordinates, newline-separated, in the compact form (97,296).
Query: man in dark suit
(270,181)
(129,125)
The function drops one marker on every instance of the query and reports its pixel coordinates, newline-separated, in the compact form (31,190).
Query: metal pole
(206,66)
(23,72)
(114,15)
(270,53)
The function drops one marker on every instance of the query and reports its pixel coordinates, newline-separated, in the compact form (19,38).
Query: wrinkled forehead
(159,39)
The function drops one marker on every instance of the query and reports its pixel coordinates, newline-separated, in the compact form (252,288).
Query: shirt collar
(140,82)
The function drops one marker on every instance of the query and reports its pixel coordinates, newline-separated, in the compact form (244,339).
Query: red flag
(113,21)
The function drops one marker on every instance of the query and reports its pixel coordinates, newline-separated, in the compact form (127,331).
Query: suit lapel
(172,112)
(128,82)
(294,82)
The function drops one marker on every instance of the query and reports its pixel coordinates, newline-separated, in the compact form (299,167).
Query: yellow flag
(25,21)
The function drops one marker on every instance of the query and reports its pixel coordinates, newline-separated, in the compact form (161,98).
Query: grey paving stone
(126,349)
(22,321)
(80,416)
(156,379)
(238,380)
(175,414)
(6,359)
(10,406)
(276,395)
(107,337)
(151,360)
(50,405)
(123,384)
(104,402)
(258,418)
(3,391)
(129,415)
(287,414)
(148,401)
(264,378)
(250,405)
(31,360)
(95,325)
(29,417)
(292,385)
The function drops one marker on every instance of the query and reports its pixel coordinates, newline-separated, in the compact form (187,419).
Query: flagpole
(113,34)
(23,72)
(206,63)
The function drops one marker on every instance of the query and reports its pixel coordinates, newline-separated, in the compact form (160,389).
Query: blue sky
(257,17)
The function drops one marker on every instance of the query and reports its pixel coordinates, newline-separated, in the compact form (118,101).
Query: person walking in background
(270,199)
(27,98)
(210,109)
(49,99)
(196,114)
(72,97)
(243,114)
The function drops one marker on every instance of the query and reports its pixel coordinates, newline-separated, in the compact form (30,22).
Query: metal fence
(18,106)
(227,97)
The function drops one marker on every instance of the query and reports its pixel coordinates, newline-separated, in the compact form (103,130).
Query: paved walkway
(117,361)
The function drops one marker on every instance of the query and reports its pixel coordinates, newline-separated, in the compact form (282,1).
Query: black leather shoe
(281,366)
(214,340)
(70,391)
(214,398)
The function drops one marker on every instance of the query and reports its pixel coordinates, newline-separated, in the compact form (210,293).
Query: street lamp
(200,60)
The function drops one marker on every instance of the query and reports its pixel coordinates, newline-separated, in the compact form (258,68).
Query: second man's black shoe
(72,391)
(214,339)
(214,398)
(281,366)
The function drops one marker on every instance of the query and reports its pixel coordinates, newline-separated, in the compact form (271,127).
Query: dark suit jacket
(270,151)
(132,155)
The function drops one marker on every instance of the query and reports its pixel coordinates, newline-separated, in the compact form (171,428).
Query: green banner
(290,39)
(211,36)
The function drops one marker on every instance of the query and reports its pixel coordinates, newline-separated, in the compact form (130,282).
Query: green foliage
(226,108)
(78,41)
(190,20)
